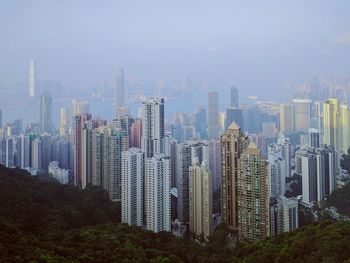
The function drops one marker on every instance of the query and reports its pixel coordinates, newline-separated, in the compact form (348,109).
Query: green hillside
(42,221)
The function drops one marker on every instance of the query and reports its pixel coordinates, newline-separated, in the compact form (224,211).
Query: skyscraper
(318,170)
(283,215)
(286,118)
(253,196)
(234,97)
(132,198)
(63,122)
(234,115)
(215,163)
(46,112)
(31,78)
(201,123)
(136,134)
(119,88)
(233,143)
(153,127)
(114,143)
(331,123)
(157,194)
(301,114)
(344,128)
(183,162)
(213,115)
(277,171)
(79,122)
(200,200)
(314,138)
(0,118)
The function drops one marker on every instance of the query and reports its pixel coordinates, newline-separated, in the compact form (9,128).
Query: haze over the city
(257,46)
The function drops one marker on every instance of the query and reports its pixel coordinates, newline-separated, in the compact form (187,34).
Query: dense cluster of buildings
(162,173)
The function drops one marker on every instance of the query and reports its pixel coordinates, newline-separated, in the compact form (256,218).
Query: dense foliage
(340,199)
(345,161)
(324,242)
(34,205)
(42,221)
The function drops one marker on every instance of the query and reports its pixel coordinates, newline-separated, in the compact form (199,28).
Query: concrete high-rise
(132,197)
(234,97)
(136,134)
(283,215)
(200,200)
(153,127)
(46,124)
(344,128)
(331,123)
(314,138)
(119,88)
(79,122)
(213,115)
(234,115)
(201,123)
(183,162)
(157,193)
(114,143)
(215,163)
(277,172)
(31,78)
(63,122)
(233,143)
(336,129)
(301,114)
(0,118)
(286,118)
(318,170)
(253,196)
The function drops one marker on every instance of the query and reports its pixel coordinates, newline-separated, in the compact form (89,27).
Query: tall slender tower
(213,115)
(157,194)
(234,97)
(344,128)
(153,127)
(119,88)
(301,114)
(132,198)
(46,112)
(253,196)
(200,200)
(63,122)
(331,123)
(233,143)
(183,162)
(79,122)
(286,118)
(136,134)
(31,78)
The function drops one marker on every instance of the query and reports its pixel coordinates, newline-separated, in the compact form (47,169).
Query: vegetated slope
(42,221)
(324,242)
(35,205)
(340,199)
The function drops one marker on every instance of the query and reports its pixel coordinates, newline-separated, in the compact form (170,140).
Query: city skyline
(210,121)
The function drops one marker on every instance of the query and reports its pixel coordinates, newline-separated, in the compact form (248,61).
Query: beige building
(286,118)
(331,122)
(233,143)
(200,201)
(344,128)
(253,196)
(301,114)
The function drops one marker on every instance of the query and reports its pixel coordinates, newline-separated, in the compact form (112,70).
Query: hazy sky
(257,45)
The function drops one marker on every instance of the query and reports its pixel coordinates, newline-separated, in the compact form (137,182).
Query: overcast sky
(257,45)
